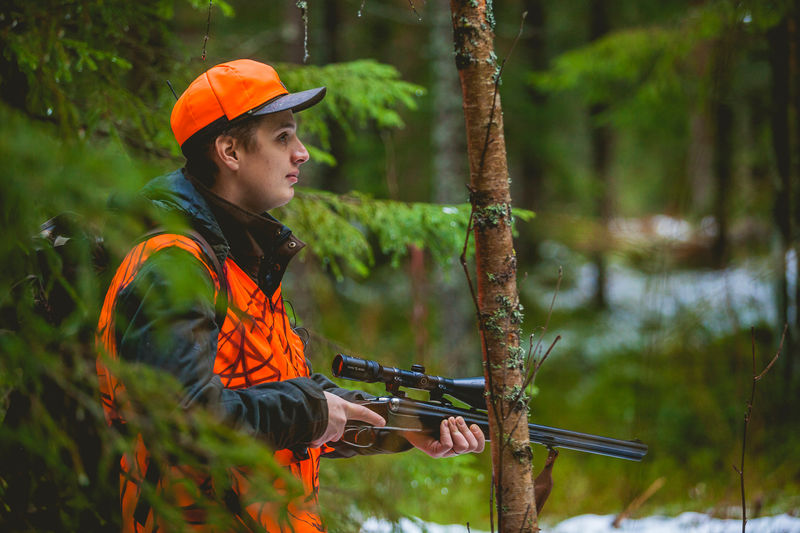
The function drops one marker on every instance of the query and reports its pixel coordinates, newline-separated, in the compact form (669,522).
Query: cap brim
(292,101)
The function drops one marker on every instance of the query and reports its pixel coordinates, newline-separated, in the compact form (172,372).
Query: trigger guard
(360,437)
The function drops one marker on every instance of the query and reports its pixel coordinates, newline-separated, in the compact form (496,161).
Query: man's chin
(284,201)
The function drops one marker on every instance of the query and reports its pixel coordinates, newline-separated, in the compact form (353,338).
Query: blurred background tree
(657,143)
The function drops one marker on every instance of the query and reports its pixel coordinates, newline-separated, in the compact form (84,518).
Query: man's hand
(339,412)
(455,438)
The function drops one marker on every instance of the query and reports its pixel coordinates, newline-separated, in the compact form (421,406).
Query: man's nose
(300,154)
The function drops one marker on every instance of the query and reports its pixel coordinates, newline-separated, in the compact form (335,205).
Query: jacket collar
(259,243)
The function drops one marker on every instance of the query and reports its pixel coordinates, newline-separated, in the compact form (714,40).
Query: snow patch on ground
(684,523)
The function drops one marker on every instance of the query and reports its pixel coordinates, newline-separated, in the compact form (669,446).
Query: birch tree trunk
(496,264)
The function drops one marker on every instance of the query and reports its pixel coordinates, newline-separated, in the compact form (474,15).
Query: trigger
(361,437)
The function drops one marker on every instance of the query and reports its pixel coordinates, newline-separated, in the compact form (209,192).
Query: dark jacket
(167,318)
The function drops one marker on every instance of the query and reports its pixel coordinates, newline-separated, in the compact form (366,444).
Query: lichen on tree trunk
(496,265)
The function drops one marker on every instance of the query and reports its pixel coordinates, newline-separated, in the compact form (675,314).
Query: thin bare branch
(535,370)
(780,349)
(748,412)
(550,309)
(463,259)
(414,9)
(208,28)
(636,503)
(465,266)
(524,518)
(491,506)
(498,75)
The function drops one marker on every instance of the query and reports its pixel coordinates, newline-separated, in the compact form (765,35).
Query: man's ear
(225,151)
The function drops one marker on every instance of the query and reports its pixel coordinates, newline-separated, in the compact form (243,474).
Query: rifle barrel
(633,450)
(431,414)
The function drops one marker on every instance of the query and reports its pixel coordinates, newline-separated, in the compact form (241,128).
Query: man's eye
(283,137)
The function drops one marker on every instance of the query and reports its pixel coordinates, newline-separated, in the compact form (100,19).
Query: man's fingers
(480,438)
(472,441)
(460,441)
(359,412)
(445,439)
(455,437)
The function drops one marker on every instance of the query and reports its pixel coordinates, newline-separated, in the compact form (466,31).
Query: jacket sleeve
(165,318)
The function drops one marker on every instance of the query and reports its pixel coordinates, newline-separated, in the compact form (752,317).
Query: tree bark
(499,311)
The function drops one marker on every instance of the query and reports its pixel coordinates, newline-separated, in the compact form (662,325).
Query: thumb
(359,412)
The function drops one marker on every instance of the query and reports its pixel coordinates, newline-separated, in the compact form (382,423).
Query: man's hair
(199,159)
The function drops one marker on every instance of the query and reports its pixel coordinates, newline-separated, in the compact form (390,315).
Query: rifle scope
(469,390)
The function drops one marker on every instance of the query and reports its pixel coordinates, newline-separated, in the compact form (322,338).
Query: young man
(235,125)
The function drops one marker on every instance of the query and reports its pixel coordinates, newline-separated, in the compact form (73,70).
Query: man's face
(267,172)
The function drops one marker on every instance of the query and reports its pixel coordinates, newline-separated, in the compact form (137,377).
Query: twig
(414,9)
(536,366)
(171,88)
(550,309)
(748,412)
(208,28)
(496,90)
(476,303)
(532,365)
(463,257)
(527,382)
(761,375)
(636,503)
(522,525)
(491,506)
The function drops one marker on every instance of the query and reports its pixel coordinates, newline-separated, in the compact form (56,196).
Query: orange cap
(230,90)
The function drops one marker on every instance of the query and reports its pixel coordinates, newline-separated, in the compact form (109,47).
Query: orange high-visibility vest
(255,345)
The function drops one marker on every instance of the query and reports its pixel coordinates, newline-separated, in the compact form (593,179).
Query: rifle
(404,414)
